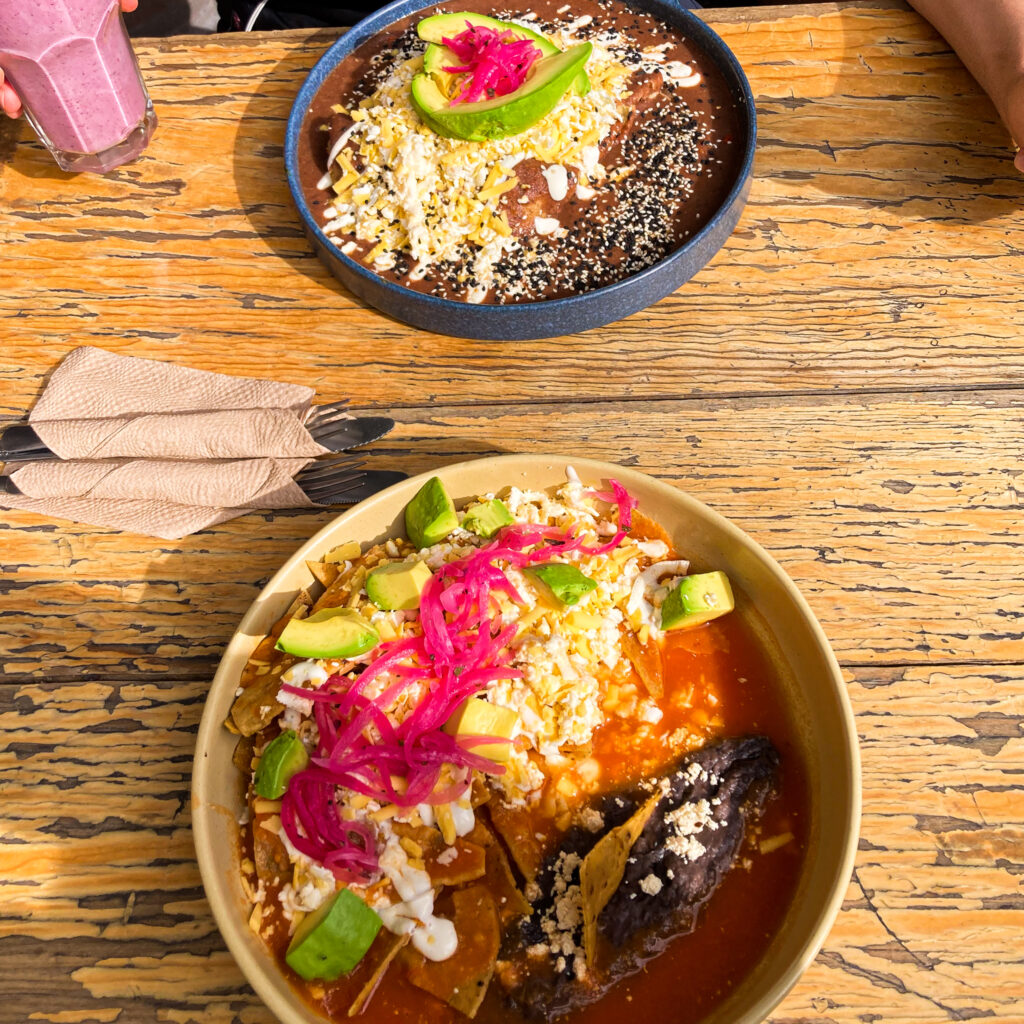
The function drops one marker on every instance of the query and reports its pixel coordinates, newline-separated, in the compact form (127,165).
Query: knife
(20,443)
(341,486)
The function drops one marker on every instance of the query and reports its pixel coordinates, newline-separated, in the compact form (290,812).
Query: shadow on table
(883,118)
(258,159)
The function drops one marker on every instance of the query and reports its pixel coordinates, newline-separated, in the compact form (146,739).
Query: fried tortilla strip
(325,573)
(465,864)
(462,980)
(646,659)
(516,829)
(350,581)
(242,757)
(256,706)
(270,856)
(512,904)
(602,870)
(384,949)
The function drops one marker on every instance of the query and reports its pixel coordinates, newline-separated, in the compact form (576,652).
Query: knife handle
(20,442)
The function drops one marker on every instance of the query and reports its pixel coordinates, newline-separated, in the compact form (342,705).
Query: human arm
(10,102)
(988,36)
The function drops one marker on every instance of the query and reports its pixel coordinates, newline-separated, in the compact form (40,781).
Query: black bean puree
(684,145)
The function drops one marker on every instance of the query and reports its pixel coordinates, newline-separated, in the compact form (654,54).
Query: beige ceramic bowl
(766,598)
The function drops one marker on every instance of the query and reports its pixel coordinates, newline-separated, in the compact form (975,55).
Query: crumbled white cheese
(591,819)
(685,823)
(651,885)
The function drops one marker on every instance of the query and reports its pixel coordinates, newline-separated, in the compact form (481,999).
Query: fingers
(9,100)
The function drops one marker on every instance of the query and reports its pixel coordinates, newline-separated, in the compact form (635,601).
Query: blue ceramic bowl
(547,318)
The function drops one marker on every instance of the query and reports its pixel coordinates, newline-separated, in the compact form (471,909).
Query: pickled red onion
(496,63)
(464,648)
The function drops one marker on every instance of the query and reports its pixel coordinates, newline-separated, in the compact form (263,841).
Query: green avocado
(285,755)
(487,518)
(565,582)
(330,941)
(430,516)
(501,116)
(398,585)
(697,599)
(434,30)
(329,633)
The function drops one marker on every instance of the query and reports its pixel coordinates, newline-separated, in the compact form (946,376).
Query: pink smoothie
(72,64)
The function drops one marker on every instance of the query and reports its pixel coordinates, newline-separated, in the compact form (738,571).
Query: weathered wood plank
(898,517)
(103,908)
(880,248)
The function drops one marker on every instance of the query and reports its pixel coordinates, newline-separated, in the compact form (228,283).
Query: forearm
(988,36)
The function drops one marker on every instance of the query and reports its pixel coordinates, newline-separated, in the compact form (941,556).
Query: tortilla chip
(602,869)
(325,573)
(516,829)
(242,757)
(256,706)
(384,949)
(462,980)
(480,792)
(646,659)
(511,903)
(270,856)
(466,864)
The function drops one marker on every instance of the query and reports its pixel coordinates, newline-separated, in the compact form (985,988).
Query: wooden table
(845,381)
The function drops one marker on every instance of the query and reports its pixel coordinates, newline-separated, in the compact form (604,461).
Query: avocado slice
(697,599)
(565,582)
(398,585)
(285,755)
(487,518)
(430,516)
(330,941)
(479,717)
(328,633)
(435,29)
(501,116)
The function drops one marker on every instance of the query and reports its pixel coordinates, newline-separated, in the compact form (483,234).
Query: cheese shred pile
(428,196)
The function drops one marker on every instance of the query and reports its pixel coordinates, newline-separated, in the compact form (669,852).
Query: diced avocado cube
(330,941)
(565,582)
(697,599)
(285,755)
(329,633)
(479,717)
(430,516)
(398,585)
(487,518)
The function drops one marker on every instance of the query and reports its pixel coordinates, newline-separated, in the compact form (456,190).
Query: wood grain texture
(885,209)
(103,895)
(905,541)
(845,380)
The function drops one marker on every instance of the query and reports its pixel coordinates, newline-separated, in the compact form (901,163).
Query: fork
(344,481)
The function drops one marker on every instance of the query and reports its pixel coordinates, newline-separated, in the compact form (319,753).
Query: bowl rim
(233,926)
(364,30)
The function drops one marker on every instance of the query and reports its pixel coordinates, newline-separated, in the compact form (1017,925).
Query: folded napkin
(99,405)
(183,449)
(156,497)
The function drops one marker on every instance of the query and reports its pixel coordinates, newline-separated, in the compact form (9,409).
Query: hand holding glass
(72,66)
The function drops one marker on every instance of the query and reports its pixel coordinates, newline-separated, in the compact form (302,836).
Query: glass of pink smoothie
(75,70)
